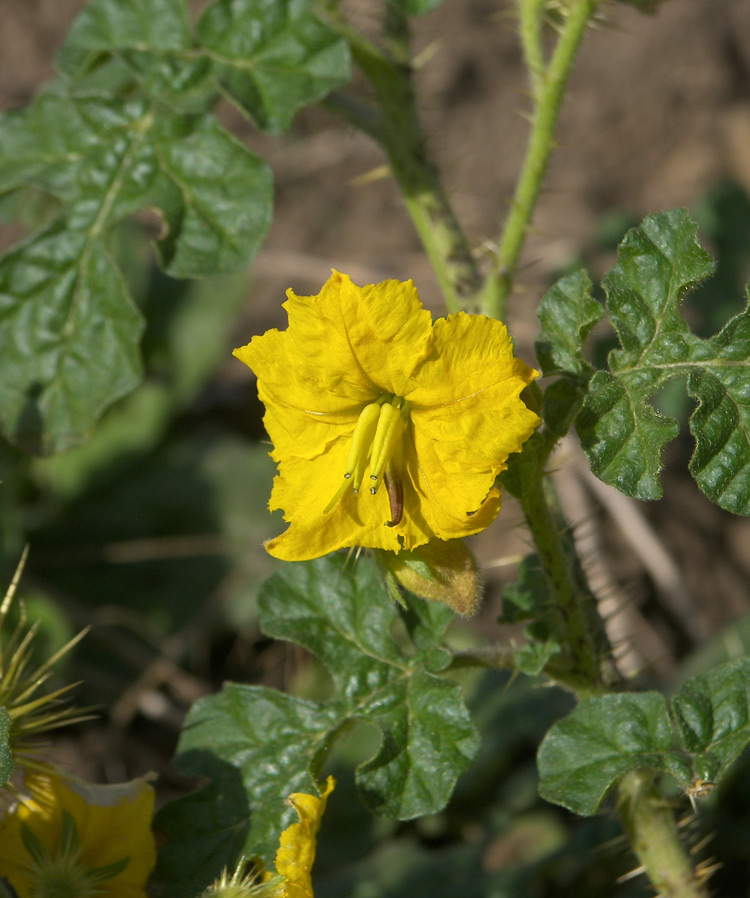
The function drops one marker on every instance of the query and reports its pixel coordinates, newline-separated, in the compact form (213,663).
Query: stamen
(362,440)
(359,451)
(389,432)
(376,440)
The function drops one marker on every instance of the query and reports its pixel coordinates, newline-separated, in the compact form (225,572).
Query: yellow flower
(294,859)
(76,840)
(298,842)
(388,429)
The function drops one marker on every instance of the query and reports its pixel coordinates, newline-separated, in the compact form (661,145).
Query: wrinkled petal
(352,346)
(297,845)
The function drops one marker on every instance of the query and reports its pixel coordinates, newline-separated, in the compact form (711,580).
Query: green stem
(530,19)
(541,142)
(586,666)
(651,828)
(397,127)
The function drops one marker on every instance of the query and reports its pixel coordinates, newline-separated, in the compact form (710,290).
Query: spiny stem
(549,88)
(587,666)
(530,21)
(397,128)
(651,828)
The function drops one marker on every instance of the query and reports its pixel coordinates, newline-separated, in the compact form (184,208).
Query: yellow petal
(113,822)
(296,853)
(303,489)
(389,331)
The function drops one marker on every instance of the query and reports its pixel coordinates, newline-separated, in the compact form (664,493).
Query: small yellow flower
(76,840)
(298,843)
(294,859)
(388,429)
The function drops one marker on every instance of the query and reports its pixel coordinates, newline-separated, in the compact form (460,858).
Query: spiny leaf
(621,432)
(340,611)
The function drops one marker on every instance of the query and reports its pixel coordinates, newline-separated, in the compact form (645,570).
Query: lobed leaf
(339,610)
(586,753)
(272,58)
(70,335)
(201,833)
(128,130)
(621,432)
(67,320)
(712,712)
(567,314)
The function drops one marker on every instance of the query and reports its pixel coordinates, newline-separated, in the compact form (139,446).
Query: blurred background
(153,532)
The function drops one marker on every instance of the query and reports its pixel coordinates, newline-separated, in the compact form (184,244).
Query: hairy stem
(397,128)
(586,666)
(530,20)
(549,88)
(651,828)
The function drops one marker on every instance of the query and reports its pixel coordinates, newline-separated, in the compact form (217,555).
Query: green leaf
(201,833)
(216,199)
(271,738)
(567,314)
(712,712)
(70,334)
(621,432)
(586,753)
(272,58)
(114,26)
(339,610)
(70,326)
(6,758)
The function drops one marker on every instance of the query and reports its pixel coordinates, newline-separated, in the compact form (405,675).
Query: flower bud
(441,571)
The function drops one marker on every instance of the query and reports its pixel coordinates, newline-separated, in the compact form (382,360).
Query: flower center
(64,874)
(377,445)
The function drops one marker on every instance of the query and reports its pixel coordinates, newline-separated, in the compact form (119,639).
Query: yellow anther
(359,450)
(388,434)
(376,441)
(362,438)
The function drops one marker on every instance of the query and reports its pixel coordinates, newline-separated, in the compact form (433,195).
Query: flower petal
(296,853)
(356,520)
(113,823)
